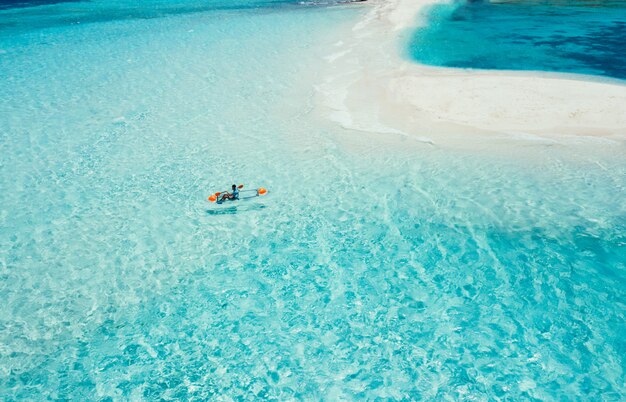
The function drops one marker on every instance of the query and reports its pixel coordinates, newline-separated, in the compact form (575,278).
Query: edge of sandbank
(368,86)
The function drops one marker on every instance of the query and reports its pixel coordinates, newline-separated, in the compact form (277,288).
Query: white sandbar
(371,86)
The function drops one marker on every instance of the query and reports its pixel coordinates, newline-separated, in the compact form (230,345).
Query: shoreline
(370,86)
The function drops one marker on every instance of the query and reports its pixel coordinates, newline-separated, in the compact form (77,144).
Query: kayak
(243,195)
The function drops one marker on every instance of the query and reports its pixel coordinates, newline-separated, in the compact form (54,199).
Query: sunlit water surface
(386,268)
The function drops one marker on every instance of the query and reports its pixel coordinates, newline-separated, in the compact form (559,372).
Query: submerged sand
(370,86)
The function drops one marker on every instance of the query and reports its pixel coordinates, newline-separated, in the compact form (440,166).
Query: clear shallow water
(584,37)
(37,14)
(398,270)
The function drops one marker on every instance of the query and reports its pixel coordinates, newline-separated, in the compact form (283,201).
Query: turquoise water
(573,36)
(376,267)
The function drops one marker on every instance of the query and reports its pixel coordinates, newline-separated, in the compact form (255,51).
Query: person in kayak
(231,196)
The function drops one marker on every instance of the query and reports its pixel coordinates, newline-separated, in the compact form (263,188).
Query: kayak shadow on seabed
(234,209)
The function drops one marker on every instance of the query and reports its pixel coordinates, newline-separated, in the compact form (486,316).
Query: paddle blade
(262,191)
(212,198)
(240,186)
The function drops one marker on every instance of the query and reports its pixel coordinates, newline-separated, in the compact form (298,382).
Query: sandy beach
(371,86)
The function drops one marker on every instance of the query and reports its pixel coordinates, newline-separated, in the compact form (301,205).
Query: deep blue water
(6,4)
(586,37)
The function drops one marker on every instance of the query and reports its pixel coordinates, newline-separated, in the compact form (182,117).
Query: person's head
(234,187)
